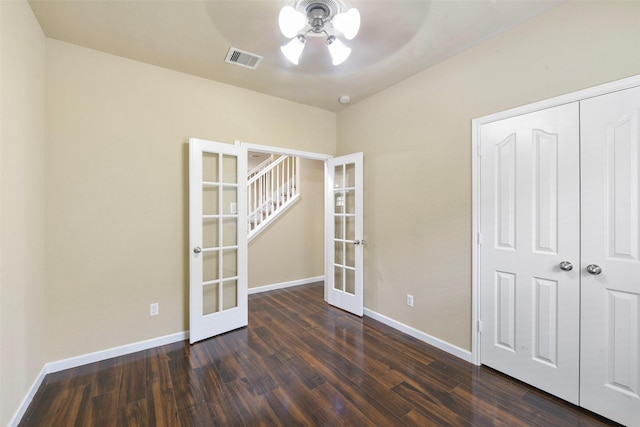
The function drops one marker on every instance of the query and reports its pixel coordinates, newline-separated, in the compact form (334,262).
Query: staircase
(272,188)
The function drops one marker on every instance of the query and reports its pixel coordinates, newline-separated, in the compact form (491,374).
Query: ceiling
(397,39)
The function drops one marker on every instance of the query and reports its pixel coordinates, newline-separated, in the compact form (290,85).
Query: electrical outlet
(410,300)
(154,309)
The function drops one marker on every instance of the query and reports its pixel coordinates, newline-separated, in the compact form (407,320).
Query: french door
(217,238)
(344,205)
(530,287)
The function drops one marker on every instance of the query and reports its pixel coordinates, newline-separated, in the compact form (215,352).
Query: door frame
(305,155)
(476,233)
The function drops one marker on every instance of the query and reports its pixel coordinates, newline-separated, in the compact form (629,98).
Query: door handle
(594,269)
(356,242)
(197,250)
(566,266)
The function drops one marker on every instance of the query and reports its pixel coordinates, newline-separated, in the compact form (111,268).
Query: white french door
(530,253)
(344,207)
(610,354)
(217,238)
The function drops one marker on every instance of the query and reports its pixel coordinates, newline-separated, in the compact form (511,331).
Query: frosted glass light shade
(291,21)
(293,49)
(339,52)
(348,23)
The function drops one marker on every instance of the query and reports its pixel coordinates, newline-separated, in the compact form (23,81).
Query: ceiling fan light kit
(327,18)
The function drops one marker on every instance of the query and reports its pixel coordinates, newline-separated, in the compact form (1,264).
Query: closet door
(610,342)
(529,251)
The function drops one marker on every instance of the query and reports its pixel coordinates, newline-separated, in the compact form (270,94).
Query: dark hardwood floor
(300,362)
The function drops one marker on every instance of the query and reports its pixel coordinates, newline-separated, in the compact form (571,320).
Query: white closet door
(529,227)
(610,349)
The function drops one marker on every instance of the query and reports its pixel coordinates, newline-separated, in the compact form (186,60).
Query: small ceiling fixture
(318,18)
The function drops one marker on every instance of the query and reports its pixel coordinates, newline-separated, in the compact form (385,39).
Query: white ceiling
(397,39)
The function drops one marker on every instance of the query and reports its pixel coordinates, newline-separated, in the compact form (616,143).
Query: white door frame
(305,155)
(476,235)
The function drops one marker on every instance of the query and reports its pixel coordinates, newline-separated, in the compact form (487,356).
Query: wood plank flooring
(300,362)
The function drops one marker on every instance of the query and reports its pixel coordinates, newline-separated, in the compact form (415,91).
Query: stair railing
(270,191)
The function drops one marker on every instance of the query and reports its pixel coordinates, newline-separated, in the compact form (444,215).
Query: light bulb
(339,52)
(294,48)
(348,23)
(291,21)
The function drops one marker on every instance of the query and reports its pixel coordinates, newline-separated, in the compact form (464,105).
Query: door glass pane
(350,202)
(229,169)
(229,200)
(338,202)
(338,231)
(230,263)
(210,266)
(209,232)
(350,171)
(350,227)
(229,294)
(230,232)
(350,255)
(350,281)
(210,299)
(210,167)
(337,278)
(339,257)
(210,200)
(337,177)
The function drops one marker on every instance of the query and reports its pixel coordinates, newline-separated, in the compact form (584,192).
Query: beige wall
(116,196)
(298,236)
(416,138)
(22,134)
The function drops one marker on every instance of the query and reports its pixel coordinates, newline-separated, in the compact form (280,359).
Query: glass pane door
(218,282)
(345,244)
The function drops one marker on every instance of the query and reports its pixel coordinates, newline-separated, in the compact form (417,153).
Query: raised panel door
(610,315)
(529,225)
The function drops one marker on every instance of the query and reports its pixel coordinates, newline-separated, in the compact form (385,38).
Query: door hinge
(479,238)
(479,325)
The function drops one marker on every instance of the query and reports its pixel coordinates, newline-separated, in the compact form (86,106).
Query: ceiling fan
(328,18)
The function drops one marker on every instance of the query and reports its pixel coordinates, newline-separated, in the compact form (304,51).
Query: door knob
(594,269)
(197,250)
(566,266)
(356,242)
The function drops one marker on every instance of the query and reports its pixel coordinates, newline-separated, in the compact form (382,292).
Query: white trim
(283,285)
(580,95)
(429,339)
(24,405)
(305,155)
(284,151)
(74,362)
(475,186)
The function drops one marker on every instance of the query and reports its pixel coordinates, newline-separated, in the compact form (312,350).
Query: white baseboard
(74,362)
(282,285)
(17,416)
(431,340)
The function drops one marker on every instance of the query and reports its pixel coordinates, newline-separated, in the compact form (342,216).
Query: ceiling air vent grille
(243,59)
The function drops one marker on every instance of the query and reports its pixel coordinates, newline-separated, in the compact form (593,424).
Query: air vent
(243,59)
